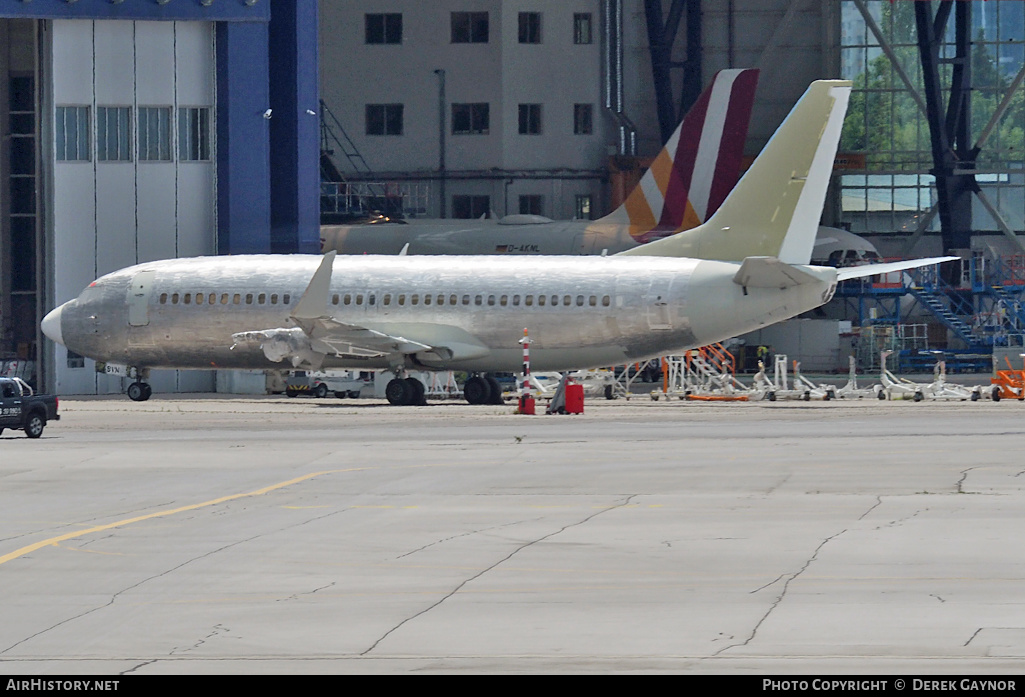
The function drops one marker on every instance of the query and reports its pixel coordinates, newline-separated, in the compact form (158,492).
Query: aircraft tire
(476,390)
(139,391)
(320,391)
(495,390)
(34,425)
(996,394)
(881,394)
(771,396)
(610,394)
(398,392)
(918,397)
(416,392)
(975,396)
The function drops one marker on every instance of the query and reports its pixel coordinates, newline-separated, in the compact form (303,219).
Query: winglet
(313,304)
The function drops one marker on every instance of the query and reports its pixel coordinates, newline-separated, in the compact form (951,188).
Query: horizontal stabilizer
(770,272)
(849,272)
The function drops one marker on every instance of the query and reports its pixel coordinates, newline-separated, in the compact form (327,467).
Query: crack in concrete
(218,629)
(490,568)
(465,534)
(786,585)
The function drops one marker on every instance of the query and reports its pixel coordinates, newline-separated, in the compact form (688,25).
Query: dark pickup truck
(22,409)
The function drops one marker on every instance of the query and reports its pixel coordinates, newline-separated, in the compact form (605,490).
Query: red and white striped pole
(526,393)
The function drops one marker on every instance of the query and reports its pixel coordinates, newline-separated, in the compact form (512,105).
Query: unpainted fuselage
(580,313)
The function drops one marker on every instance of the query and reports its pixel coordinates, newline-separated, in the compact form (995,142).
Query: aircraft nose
(51,325)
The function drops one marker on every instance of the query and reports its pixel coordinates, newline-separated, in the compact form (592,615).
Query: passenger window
(187,299)
(466,299)
(592,301)
(199,298)
(540,300)
(491,300)
(287,299)
(453,300)
(274,299)
(347,300)
(163,298)
(606,301)
(224,299)
(516,300)
(414,299)
(441,299)
(387,299)
(261,299)
(402,298)
(504,300)
(335,298)
(478,300)
(427,300)
(237,299)
(249,298)
(372,299)
(359,298)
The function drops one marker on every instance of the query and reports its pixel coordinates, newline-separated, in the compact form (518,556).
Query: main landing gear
(405,392)
(481,389)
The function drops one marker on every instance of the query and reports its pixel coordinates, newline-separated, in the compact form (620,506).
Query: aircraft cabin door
(656,304)
(138,298)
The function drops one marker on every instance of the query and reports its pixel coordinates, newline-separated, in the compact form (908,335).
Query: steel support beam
(662,35)
(953,155)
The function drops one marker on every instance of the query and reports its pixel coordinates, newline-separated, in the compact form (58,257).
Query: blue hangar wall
(267,169)
(70,211)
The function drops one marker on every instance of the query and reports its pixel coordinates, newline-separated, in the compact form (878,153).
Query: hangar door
(132,122)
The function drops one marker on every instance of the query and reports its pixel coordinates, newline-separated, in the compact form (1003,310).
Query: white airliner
(686,183)
(427,312)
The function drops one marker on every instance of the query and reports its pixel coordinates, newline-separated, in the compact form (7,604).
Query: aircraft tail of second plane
(700,163)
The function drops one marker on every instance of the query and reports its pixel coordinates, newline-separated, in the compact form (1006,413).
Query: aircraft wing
(319,334)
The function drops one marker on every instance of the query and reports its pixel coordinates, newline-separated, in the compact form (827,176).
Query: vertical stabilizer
(774,209)
(698,167)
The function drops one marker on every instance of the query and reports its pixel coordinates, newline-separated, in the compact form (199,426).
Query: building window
(530,119)
(582,28)
(471,118)
(583,207)
(72,136)
(471,207)
(113,133)
(530,27)
(384,119)
(532,204)
(583,122)
(384,28)
(194,134)
(154,133)
(469,27)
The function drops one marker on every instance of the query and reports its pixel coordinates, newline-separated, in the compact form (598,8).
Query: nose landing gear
(140,390)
